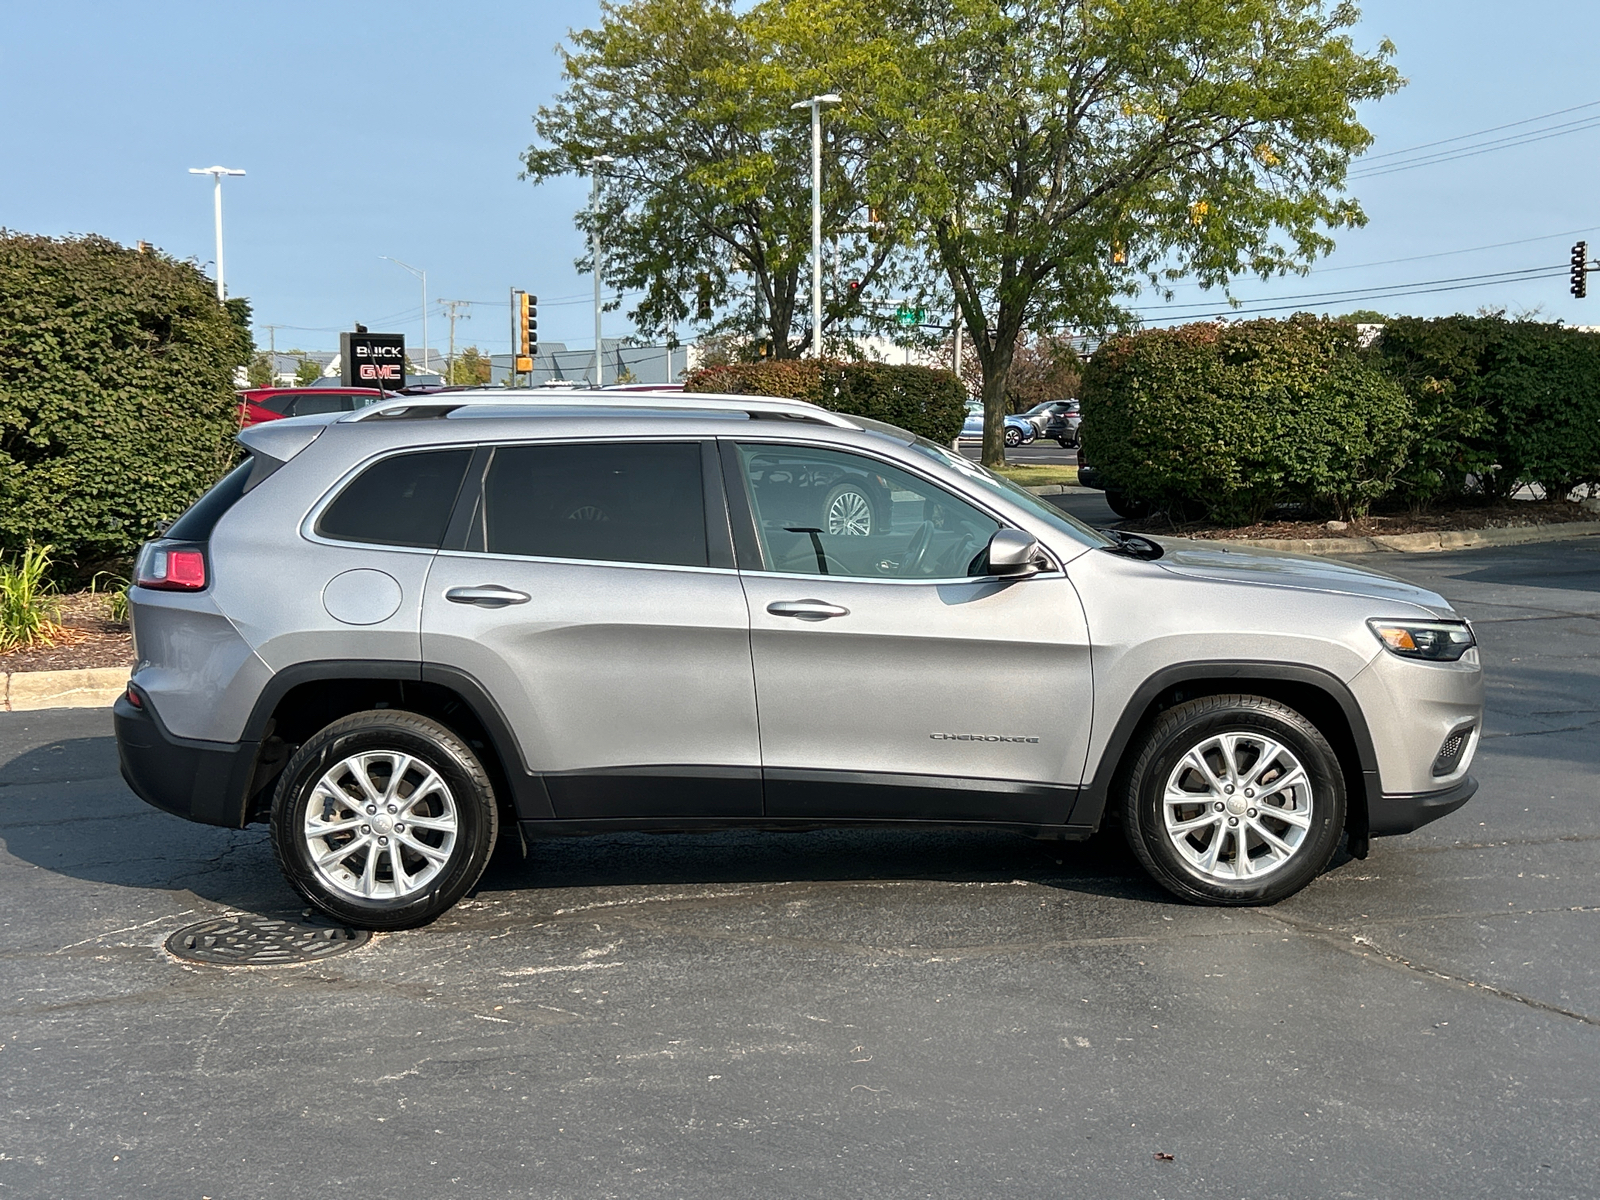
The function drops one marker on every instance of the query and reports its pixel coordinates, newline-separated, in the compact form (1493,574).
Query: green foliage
(923,400)
(115,588)
(27,611)
(1232,420)
(260,371)
(117,406)
(1500,403)
(470,368)
(307,372)
(710,194)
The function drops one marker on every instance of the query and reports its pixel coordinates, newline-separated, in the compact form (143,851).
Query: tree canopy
(1030,165)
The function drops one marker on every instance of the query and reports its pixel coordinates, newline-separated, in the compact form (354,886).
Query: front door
(594,607)
(892,681)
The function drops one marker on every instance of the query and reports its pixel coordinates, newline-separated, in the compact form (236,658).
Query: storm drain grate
(249,941)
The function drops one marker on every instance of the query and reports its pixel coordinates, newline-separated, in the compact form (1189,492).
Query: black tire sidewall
(476,815)
(859,489)
(1176,734)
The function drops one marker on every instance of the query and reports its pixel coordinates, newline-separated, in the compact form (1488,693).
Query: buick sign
(373,360)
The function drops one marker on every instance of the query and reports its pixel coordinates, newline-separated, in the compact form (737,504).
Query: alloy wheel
(849,513)
(1238,807)
(380,826)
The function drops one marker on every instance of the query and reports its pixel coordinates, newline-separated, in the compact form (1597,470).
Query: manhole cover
(247,941)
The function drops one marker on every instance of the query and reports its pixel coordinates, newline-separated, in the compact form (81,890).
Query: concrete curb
(25,691)
(1422,543)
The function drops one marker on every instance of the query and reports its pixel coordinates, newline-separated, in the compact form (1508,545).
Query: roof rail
(436,405)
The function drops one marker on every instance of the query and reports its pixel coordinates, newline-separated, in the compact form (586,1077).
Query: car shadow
(64,808)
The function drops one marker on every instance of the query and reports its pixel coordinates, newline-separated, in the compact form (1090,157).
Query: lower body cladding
(210,782)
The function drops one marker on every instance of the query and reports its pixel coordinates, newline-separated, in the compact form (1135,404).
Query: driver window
(826,512)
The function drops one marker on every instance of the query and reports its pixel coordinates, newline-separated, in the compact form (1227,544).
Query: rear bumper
(1089,477)
(1403,812)
(201,781)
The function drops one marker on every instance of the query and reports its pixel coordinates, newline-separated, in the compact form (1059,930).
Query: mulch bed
(88,638)
(1504,515)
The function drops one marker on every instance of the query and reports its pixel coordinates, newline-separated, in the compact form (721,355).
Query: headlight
(1434,641)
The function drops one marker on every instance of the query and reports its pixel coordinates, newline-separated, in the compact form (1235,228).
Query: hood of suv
(1274,568)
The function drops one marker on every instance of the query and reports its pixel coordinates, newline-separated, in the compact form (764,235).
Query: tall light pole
(422,275)
(596,164)
(217,173)
(815,105)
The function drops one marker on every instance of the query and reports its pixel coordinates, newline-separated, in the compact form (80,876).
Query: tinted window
(315,405)
(400,501)
(619,502)
(196,524)
(824,512)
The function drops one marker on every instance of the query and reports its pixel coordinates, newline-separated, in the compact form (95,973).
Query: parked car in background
(1057,419)
(273,403)
(1121,503)
(1019,430)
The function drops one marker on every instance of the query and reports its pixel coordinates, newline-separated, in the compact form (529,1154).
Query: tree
(307,372)
(1061,155)
(708,204)
(117,406)
(470,368)
(260,371)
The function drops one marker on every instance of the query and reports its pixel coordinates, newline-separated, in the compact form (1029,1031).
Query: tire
(848,510)
(1013,436)
(441,783)
(1190,847)
(1125,506)
(1065,443)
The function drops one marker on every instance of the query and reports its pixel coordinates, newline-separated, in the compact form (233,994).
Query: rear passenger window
(400,501)
(618,502)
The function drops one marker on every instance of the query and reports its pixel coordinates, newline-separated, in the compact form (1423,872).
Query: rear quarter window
(197,523)
(404,500)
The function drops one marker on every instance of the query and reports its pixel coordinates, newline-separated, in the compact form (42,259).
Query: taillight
(171,567)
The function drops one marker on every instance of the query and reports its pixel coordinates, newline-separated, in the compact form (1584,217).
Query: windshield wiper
(1133,545)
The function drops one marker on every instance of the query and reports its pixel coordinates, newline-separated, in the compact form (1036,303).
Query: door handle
(488,595)
(807,610)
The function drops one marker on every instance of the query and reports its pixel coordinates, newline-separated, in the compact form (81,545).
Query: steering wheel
(917,549)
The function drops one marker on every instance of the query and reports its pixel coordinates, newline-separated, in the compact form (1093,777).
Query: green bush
(27,606)
(1499,404)
(1229,421)
(116,394)
(925,400)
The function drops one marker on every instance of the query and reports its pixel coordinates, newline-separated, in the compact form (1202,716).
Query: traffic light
(702,307)
(853,291)
(527,331)
(1580,270)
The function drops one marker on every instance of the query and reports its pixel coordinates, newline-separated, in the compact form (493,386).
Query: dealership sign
(373,360)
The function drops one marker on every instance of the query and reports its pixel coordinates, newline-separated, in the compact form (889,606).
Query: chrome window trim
(549,560)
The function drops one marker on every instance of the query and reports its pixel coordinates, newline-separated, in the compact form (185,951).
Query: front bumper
(1402,812)
(201,781)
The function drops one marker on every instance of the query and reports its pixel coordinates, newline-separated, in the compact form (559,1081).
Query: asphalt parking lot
(842,1013)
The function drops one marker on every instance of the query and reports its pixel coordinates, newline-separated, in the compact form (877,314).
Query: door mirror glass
(1013,553)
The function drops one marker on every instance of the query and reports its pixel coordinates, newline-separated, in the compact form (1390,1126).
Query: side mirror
(1014,554)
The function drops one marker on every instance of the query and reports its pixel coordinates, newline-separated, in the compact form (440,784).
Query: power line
(1560,112)
(1357,299)
(1493,276)
(1474,151)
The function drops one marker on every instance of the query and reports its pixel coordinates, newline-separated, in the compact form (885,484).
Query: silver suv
(394,633)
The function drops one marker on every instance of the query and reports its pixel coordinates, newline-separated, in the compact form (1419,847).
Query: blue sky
(394,129)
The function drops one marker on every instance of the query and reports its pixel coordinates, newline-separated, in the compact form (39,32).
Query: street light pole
(422,275)
(815,105)
(217,173)
(596,164)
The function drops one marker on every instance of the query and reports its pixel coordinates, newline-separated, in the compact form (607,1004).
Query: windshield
(1042,406)
(986,479)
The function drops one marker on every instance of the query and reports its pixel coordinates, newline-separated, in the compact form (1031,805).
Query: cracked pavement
(838,1013)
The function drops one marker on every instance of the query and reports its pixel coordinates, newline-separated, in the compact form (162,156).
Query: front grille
(1449,756)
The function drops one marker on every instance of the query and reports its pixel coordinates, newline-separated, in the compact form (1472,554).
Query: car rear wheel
(1234,800)
(847,510)
(1126,507)
(1013,436)
(383,820)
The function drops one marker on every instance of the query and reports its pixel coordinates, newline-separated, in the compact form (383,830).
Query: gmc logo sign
(373,360)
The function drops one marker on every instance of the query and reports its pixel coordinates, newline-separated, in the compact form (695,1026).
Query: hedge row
(1230,421)
(116,394)
(923,400)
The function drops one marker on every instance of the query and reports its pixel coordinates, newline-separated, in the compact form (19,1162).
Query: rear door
(894,678)
(595,602)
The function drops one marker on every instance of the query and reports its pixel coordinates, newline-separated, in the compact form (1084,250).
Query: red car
(270,403)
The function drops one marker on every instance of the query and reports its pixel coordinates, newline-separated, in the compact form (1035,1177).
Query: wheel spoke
(445,824)
(430,785)
(1272,839)
(361,767)
(432,853)
(1193,823)
(401,764)
(331,858)
(1208,859)
(1270,750)
(402,881)
(1289,816)
(1198,761)
(316,827)
(369,875)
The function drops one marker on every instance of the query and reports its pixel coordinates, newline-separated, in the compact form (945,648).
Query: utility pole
(453,305)
(217,173)
(272,353)
(815,105)
(596,164)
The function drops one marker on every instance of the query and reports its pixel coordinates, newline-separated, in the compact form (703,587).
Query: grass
(116,593)
(1039,474)
(27,606)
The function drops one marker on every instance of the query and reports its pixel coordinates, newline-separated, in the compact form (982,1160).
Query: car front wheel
(847,510)
(1234,800)
(1013,436)
(383,820)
